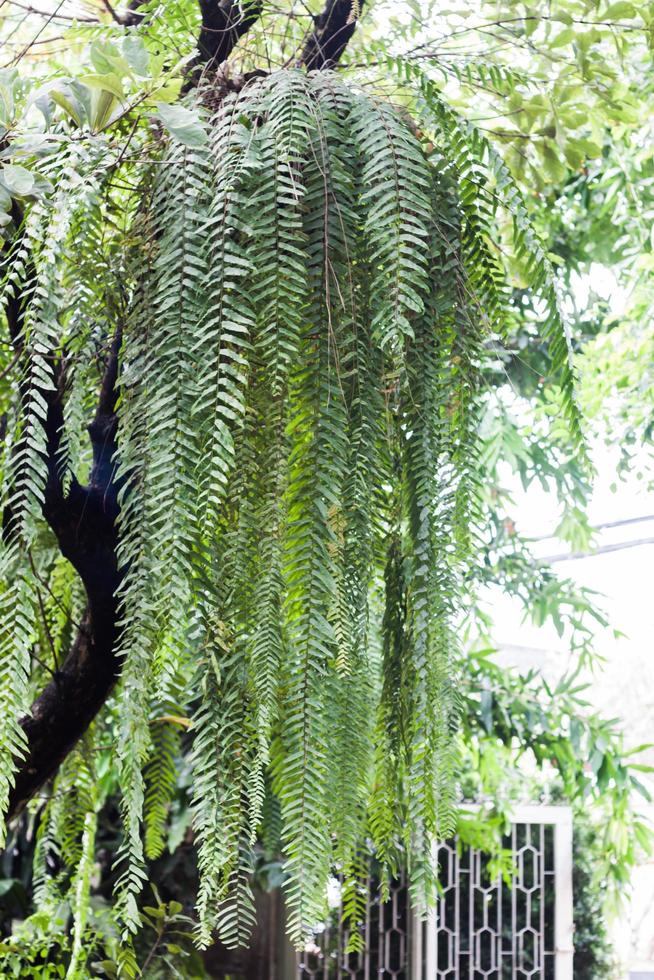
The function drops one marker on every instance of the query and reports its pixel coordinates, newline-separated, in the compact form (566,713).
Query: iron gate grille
(386,935)
(483,928)
(486,930)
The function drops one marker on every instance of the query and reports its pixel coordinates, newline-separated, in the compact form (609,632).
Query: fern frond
(304,291)
(396,178)
(160,781)
(317,429)
(474,152)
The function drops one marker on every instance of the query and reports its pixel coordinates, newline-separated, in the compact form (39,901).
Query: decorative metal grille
(386,935)
(482,928)
(485,929)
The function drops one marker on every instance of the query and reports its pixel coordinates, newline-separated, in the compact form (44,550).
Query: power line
(601,550)
(622,522)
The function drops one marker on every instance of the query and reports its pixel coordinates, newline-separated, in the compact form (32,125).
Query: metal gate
(387,930)
(481,929)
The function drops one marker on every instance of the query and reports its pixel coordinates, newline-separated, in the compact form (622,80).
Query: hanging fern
(304,289)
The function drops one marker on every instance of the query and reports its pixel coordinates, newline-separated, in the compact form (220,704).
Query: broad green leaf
(184,124)
(136,55)
(102,108)
(106,83)
(620,10)
(565,36)
(18,180)
(107,59)
(68,97)
(6,102)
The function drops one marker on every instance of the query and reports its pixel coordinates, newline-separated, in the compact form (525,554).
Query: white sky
(624,687)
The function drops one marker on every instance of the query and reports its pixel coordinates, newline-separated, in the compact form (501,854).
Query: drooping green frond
(304,288)
(386,807)
(394,181)
(82,894)
(220,766)
(160,779)
(278,290)
(92,303)
(160,457)
(474,155)
(223,335)
(361,380)
(65,851)
(317,430)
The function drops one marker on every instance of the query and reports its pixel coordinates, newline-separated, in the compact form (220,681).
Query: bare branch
(128,18)
(84,523)
(223,24)
(331,33)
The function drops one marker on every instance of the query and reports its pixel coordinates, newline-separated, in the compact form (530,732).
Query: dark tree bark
(85,519)
(84,522)
(223,24)
(332,30)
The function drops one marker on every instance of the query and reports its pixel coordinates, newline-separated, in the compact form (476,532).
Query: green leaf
(102,107)
(18,180)
(136,55)
(566,36)
(6,98)
(107,59)
(70,98)
(107,966)
(106,83)
(9,884)
(184,124)
(620,10)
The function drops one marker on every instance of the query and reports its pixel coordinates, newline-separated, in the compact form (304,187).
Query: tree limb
(332,29)
(84,522)
(224,22)
(128,18)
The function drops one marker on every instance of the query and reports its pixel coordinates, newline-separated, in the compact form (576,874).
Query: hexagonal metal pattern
(484,928)
(386,931)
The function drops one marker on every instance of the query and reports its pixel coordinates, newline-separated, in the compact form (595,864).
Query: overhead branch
(332,29)
(223,24)
(85,524)
(129,17)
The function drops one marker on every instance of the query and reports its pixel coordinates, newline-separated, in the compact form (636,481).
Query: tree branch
(84,523)
(224,22)
(128,18)
(332,30)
